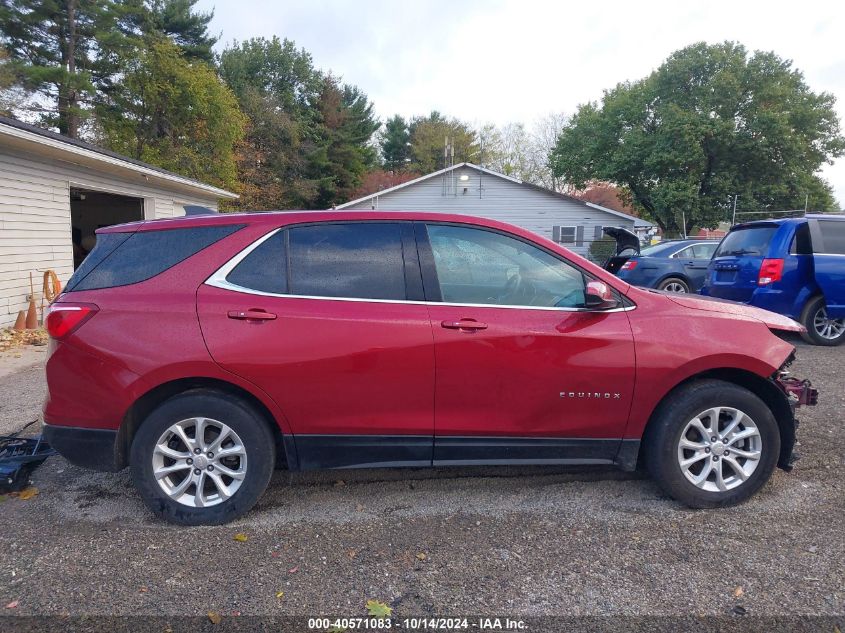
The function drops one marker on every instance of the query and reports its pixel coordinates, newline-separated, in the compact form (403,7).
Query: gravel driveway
(519,542)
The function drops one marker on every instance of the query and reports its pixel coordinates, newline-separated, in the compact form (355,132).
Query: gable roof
(490,172)
(14,129)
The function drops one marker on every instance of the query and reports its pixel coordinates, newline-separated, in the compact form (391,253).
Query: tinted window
(659,250)
(143,255)
(750,241)
(356,260)
(105,246)
(478,266)
(801,242)
(265,268)
(833,233)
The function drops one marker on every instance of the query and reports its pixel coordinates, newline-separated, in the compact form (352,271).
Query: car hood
(772,320)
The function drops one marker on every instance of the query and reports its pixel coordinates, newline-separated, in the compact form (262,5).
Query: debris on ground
(20,456)
(13,339)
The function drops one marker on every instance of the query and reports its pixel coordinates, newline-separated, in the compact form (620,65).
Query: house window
(564,234)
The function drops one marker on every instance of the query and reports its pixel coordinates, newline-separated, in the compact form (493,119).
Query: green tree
(428,140)
(59,50)
(343,153)
(276,85)
(395,144)
(309,138)
(72,53)
(176,114)
(7,81)
(176,20)
(710,123)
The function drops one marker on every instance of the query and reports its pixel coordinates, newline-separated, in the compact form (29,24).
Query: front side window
(354,260)
(477,266)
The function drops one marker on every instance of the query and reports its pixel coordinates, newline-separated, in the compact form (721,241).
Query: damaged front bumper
(798,393)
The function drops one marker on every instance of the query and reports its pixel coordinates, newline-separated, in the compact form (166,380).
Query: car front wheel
(712,444)
(202,458)
(821,329)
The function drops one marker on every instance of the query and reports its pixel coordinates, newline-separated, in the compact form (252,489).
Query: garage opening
(91,210)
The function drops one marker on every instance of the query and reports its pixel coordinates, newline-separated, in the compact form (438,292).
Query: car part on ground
(19,457)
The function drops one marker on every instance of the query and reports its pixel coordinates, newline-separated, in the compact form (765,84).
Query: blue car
(794,266)
(673,265)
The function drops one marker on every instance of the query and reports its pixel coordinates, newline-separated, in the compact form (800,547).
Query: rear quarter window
(142,255)
(752,241)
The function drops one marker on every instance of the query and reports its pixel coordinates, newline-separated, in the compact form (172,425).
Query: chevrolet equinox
(203,351)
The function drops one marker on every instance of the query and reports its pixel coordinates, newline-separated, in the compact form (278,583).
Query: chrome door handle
(253,314)
(463,324)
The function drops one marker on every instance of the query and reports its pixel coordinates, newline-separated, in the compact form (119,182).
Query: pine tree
(395,144)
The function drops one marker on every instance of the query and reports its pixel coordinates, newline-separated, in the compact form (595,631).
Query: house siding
(501,199)
(35,219)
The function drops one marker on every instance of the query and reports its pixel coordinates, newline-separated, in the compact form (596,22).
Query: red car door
(525,374)
(318,317)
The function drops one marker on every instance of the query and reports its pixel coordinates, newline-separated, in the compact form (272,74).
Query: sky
(505,61)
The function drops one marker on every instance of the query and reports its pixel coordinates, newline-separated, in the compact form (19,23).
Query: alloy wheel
(199,462)
(675,287)
(719,449)
(827,328)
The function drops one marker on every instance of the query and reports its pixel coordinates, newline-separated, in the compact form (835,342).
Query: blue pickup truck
(793,266)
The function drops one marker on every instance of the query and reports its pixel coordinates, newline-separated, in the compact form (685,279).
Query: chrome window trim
(218,280)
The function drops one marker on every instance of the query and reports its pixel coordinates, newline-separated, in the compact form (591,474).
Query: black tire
(253,432)
(669,421)
(669,281)
(808,320)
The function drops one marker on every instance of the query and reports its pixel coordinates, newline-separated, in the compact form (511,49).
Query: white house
(56,191)
(473,190)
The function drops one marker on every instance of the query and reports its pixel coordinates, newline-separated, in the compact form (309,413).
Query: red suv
(203,351)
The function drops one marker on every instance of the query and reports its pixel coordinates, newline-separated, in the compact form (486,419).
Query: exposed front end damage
(797,393)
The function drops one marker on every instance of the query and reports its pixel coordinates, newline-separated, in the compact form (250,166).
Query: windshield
(750,241)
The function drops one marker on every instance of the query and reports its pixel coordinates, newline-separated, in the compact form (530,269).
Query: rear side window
(265,268)
(703,251)
(751,241)
(833,234)
(356,260)
(801,243)
(142,255)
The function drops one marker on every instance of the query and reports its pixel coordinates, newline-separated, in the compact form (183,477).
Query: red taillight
(631,264)
(770,272)
(64,318)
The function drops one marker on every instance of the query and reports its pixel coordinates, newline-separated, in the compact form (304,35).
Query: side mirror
(598,296)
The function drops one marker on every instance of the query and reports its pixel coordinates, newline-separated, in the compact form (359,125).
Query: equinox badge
(591,395)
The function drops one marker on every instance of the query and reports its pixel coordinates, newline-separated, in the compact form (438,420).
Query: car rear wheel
(202,458)
(674,284)
(821,329)
(712,444)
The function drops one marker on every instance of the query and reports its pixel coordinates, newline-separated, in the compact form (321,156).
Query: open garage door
(91,210)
